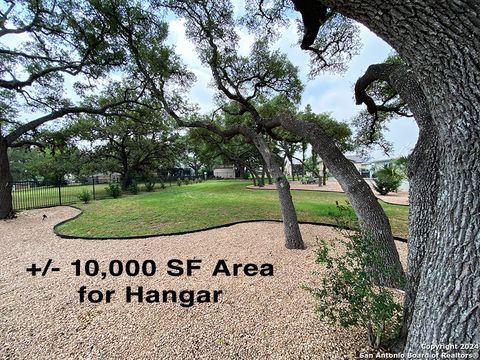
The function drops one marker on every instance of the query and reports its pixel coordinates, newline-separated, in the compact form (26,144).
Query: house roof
(355,158)
(384,160)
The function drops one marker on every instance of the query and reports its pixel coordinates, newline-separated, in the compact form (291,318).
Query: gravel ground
(256,318)
(398,198)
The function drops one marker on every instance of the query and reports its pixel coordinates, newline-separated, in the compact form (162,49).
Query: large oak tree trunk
(423,172)
(440,42)
(424,177)
(6,183)
(366,206)
(446,308)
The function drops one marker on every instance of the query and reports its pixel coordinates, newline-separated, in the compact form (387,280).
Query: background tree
(44,166)
(196,152)
(338,132)
(243,156)
(284,145)
(43,44)
(236,76)
(136,144)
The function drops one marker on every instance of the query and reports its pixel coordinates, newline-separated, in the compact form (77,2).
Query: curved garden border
(64,236)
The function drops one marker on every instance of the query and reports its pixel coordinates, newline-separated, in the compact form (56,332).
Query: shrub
(133,188)
(179,182)
(162,184)
(85,196)
(150,185)
(387,179)
(186,181)
(113,189)
(348,294)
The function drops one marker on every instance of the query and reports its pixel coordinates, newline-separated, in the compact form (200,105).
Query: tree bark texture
(324,178)
(440,41)
(293,237)
(126,181)
(6,183)
(424,177)
(423,170)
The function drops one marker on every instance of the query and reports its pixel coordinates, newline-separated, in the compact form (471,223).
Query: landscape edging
(64,236)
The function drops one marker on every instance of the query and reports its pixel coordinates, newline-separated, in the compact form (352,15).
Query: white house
(360,164)
(102,178)
(224,172)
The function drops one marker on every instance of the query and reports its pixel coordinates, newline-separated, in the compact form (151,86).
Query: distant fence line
(34,195)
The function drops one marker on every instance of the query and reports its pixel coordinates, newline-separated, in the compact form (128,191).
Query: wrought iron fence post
(60,192)
(93,186)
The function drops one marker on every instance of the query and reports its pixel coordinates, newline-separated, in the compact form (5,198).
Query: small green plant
(133,188)
(85,196)
(179,182)
(150,185)
(387,179)
(348,293)
(186,181)
(113,190)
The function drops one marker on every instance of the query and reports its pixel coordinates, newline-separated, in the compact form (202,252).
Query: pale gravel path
(398,198)
(259,317)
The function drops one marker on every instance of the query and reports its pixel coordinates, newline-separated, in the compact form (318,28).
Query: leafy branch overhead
(331,39)
(54,45)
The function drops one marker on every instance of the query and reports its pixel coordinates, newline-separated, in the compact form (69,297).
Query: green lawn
(203,205)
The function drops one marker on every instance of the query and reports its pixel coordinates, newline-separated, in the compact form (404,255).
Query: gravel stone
(396,198)
(256,318)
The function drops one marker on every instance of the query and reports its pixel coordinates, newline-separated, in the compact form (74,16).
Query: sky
(332,93)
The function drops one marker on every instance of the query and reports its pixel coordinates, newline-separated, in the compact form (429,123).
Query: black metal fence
(33,195)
